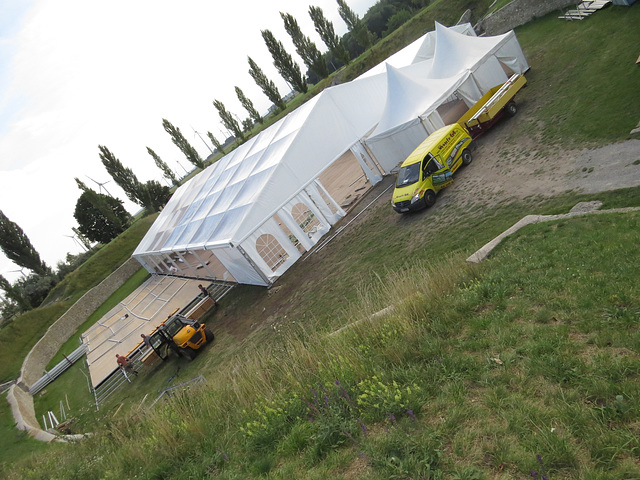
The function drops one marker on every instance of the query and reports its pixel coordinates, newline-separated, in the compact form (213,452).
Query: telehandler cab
(181,335)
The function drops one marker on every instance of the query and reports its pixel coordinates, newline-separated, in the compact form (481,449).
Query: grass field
(528,362)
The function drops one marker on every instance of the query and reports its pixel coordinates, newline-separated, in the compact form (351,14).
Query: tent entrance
(345,181)
(452,110)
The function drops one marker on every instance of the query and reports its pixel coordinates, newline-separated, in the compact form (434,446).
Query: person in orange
(125,364)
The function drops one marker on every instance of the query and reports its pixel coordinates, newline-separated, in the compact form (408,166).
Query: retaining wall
(57,334)
(41,354)
(517,13)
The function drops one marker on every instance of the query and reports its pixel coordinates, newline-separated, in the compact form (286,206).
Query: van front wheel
(467,158)
(429,198)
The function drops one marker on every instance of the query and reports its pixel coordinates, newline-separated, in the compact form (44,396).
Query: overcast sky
(75,74)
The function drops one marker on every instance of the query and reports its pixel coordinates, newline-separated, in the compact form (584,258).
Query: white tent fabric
(409,100)
(457,63)
(455,52)
(419,50)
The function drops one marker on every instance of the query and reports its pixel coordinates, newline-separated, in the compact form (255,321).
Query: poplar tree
(151,195)
(325,29)
(357,27)
(123,176)
(185,147)
(162,165)
(16,246)
(283,61)
(307,50)
(248,106)
(215,142)
(227,120)
(14,295)
(267,86)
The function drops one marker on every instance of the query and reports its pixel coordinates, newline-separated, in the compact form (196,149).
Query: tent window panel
(304,217)
(271,251)
(289,234)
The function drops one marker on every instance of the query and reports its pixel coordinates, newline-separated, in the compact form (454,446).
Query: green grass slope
(18,337)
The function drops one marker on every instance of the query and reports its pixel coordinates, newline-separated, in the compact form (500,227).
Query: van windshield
(408,175)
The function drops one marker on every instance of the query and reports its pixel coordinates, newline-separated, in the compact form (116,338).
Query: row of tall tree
(381,19)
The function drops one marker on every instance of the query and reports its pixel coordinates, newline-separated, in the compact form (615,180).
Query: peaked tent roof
(455,52)
(409,96)
(428,47)
(421,49)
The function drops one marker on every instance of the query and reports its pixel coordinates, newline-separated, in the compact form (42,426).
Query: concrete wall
(41,354)
(517,13)
(57,334)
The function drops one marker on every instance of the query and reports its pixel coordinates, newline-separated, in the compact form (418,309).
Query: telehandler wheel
(188,353)
(429,198)
(511,108)
(209,335)
(467,158)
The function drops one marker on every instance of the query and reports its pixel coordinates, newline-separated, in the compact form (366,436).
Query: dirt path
(506,169)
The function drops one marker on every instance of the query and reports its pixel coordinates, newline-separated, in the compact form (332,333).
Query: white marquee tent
(252,214)
(249,216)
(468,65)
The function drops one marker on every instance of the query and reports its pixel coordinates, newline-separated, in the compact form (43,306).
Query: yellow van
(430,168)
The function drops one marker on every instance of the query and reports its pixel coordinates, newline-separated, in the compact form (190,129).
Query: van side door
(441,175)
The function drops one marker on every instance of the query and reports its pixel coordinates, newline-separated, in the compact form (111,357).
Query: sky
(76,74)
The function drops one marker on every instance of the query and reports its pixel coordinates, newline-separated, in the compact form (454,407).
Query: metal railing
(58,370)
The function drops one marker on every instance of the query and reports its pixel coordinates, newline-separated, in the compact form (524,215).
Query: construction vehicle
(181,335)
(497,102)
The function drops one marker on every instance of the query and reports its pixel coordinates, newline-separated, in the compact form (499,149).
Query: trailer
(497,102)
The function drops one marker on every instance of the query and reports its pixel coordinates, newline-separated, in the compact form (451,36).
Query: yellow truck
(182,335)
(430,167)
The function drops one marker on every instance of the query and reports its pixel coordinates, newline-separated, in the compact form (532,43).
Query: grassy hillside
(18,337)
(474,375)
(528,362)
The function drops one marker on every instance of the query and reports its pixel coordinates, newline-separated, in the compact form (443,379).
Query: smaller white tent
(409,114)
(461,68)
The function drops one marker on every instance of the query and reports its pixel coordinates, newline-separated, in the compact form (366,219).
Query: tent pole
(253,264)
(204,265)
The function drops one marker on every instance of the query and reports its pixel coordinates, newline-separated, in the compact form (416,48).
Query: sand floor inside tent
(119,330)
(345,181)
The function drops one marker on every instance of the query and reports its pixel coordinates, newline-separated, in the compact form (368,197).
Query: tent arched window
(271,251)
(304,217)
